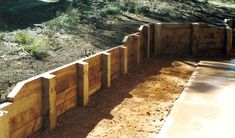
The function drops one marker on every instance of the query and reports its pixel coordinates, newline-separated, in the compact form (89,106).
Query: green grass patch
(2,34)
(38,48)
(23,38)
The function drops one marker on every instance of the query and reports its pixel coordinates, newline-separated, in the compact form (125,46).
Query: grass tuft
(38,48)
(23,38)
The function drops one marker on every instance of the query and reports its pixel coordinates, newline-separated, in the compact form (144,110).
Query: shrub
(133,6)
(110,10)
(38,48)
(93,12)
(23,38)
(67,21)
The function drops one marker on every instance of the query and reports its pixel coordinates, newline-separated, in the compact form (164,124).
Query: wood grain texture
(49,101)
(115,62)
(66,77)
(28,129)
(24,117)
(195,38)
(152,38)
(211,41)
(25,88)
(65,95)
(137,48)
(95,73)
(106,73)
(124,60)
(157,39)
(4,125)
(23,104)
(229,40)
(176,39)
(129,43)
(83,83)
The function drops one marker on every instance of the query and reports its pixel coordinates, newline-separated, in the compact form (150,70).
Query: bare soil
(136,105)
(16,65)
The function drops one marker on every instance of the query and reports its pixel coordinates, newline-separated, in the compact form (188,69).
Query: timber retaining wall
(36,103)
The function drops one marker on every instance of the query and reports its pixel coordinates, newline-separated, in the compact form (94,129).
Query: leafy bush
(23,38)
(38,48)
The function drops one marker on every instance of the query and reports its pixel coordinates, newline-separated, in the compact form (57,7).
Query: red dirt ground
(135,105)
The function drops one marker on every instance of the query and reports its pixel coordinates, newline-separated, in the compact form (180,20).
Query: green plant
(133,6)
(23,38)
(38,48)
(1,35)
(110,10)
(92,12)
(67,21)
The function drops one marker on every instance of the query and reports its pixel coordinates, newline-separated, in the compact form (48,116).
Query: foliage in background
(66,21)
(92,12)
(232,1)
(133,6)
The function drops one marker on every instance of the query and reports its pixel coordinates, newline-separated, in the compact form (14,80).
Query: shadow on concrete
(203,87)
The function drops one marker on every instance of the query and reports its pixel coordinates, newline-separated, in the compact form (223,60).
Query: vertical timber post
(136,44)
(157,38)
(123,60)
(49,102)
(148,41)
(229,40)
(145,30)
(195,38)
(152,37)
(106,74)
(4,125)
(83,83)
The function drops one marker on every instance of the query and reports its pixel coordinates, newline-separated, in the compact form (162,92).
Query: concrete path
(206,108)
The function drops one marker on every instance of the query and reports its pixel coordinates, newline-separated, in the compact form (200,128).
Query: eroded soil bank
(135,105)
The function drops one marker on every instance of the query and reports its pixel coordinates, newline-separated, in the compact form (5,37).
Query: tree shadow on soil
(111,35)
(191,11)
(80,121)
(28,14)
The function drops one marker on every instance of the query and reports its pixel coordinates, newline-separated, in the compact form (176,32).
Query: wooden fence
(37,102)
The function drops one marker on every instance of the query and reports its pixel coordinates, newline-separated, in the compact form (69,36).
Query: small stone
(148,113)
